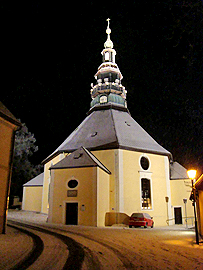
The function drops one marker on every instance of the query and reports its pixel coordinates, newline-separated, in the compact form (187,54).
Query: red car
(141,219)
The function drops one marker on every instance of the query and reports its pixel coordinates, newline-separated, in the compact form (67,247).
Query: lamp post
(191,174)
(167,200)
(185,201)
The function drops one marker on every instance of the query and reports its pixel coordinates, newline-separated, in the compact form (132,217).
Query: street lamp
(191,174)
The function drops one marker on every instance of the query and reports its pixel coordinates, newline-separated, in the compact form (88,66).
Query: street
(124,248)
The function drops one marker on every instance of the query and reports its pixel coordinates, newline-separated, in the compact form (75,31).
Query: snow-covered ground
(123,248)
(14,245)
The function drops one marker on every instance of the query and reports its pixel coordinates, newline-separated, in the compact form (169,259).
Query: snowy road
(137,248)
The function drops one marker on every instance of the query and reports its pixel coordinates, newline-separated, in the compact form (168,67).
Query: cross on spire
(108,43)
(108,20)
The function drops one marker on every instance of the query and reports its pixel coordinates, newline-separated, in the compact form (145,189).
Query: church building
(109,166)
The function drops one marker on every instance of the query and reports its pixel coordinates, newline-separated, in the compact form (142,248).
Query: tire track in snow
(126,263)
(76,252)
(38,247)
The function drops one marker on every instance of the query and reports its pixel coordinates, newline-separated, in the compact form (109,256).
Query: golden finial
(108,43)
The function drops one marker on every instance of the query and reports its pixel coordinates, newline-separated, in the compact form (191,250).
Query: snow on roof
(178,172)
(108,127)
(79,159)
(36,181)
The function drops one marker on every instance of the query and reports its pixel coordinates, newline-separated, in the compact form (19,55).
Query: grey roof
(178,172)
(79,159)
(110,127)
(36,181)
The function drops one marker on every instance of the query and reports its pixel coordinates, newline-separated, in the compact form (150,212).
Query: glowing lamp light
(191,174)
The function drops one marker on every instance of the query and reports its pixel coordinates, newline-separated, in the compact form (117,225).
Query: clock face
(103,99)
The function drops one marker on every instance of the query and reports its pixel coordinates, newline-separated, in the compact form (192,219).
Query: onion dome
(108,88)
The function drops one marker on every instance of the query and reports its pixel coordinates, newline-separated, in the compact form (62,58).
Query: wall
(107,157)
(123,187)
(181,189)
(200,212)
(6,147)
(46,182)
(102,196)
(125,182)
(157,174)
(112,218)
(86,198)
(32,198)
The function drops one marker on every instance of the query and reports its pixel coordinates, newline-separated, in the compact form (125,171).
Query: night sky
(51,52)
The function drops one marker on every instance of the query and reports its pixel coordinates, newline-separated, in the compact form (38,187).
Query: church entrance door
(71,213)
(178,215)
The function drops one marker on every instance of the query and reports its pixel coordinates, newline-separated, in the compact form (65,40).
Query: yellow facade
(181,189)
(107,157)
(200,211)
(159,181)
(6,149)
(103,197)
(125,182)
(32,198)
(121,191)
(92,195)
(47,177)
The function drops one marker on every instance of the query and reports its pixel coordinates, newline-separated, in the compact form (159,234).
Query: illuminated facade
(109,164)
(8,125)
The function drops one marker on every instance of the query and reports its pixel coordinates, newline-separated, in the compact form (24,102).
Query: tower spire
(108,88)
(108,43)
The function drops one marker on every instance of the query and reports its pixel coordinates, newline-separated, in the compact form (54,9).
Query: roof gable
(36,181)
(79,159)
(178,172)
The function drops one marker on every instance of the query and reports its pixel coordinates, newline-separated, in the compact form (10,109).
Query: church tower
(108,124)
(108,88)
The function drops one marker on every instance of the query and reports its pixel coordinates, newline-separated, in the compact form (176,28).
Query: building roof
(178,172)
(36,181)
(7,115)
(109,127)
(199,183)
(79,159)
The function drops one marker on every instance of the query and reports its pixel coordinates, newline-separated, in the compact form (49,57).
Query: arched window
(146,193)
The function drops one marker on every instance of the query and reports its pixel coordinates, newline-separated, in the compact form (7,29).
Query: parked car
(141,219)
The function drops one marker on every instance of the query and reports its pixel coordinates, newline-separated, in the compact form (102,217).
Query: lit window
(146,194)
(106,56)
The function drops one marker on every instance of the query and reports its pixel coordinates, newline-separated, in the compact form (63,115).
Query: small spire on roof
(108,43)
